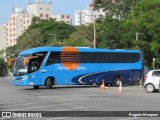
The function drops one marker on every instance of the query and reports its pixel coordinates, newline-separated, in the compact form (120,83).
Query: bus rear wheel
(116,80)
(49,83)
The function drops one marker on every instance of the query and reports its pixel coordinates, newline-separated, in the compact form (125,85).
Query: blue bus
(48,66)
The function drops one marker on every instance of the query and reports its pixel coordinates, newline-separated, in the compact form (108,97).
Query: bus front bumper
(20,81)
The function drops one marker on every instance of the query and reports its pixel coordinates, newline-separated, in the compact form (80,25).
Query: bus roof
(82,49)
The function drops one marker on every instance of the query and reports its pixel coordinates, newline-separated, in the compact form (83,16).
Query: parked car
(152,81)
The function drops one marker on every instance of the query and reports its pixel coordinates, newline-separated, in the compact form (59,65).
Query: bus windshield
(19,68)
(32,65)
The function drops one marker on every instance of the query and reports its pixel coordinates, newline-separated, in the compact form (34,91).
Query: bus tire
(116,80)
(36,87)
(49,83)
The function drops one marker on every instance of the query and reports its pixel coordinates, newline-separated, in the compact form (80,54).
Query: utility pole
(137,36)
(94,27)
(137,39)
(55,36)
(154,59)
(94,41)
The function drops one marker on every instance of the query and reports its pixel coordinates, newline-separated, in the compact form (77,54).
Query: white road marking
(39,107)
(25,104)
(132,118)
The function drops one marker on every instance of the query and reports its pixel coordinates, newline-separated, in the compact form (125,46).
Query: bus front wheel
(36,87)
(49,83)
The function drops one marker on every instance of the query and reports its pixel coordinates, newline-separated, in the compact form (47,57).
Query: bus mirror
(10,61)
(27,58)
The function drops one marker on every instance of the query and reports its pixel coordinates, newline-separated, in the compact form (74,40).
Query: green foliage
(117,8)
(83,36)
(110,33)
(3,67)
(41,33)
(144,19)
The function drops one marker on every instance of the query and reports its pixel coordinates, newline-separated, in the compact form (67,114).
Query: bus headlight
(25,77)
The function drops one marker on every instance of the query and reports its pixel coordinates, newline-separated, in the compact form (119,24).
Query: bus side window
(53,58)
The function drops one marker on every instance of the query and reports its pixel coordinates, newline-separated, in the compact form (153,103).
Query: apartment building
(21,19)
(87,16)
(2,37)
(18,22)
(65,18)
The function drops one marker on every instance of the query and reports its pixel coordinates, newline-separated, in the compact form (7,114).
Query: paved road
(71,98)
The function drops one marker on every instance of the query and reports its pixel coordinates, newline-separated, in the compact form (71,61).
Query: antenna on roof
(28,1)
(37,1)
(50,1)
(13,9)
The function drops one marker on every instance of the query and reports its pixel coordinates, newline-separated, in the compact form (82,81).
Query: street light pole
(55,36)
(137,36)
(154,59)
(94,41)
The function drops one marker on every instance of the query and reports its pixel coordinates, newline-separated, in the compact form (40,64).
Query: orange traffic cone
(102,86)
(120,86)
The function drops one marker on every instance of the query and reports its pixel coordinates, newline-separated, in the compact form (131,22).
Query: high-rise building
(21,19)
(2,37)
(64,18)
(18,22)
(87,16)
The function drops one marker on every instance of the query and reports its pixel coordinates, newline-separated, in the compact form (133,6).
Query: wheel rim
(50,83)
(116,82)
(149,88)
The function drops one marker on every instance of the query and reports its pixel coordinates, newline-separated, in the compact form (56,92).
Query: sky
(59,7)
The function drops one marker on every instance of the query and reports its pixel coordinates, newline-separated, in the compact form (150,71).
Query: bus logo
(6,114)
(70,58)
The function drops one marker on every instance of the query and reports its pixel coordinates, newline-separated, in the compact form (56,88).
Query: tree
(115,8)
(41,33)
(110,30)
(3,67)
(144,19)
(83,36)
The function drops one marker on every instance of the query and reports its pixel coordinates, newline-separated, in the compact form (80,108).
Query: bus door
(33,72)
(34,65)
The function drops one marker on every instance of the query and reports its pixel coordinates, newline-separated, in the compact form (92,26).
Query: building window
(24,22)
(23,16)
(68,22)
(28,15)
(14,40)
(10,35)
(14,29)
(10,24)
(27,21)
(62,16)
(10,40)
(24,27)
(13,23)
(10,29)
(14,35)
(68,17)
(47,15)
(41,15)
